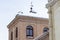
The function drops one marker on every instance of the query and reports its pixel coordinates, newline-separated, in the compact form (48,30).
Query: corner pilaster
(50,24)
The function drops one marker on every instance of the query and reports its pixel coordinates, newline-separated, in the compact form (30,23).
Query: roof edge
(17,17)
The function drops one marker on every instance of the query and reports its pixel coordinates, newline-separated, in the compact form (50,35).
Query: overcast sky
(9,9)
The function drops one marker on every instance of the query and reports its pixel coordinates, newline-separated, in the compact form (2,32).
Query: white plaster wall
(57,23)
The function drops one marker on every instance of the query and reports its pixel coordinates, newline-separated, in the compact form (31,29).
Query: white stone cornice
(51,3)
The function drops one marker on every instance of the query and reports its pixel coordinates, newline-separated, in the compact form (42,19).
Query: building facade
(54,19)
(27,27)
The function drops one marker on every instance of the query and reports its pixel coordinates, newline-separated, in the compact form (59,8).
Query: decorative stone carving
(51,3)
(50,0)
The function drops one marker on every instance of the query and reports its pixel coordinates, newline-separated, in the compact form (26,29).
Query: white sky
(9,8)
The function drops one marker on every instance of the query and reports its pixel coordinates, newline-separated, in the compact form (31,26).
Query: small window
(29,31)
(11,35)
(45,29)
(16,32)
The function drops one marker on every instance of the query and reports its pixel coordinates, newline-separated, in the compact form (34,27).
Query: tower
(27,27)
(54,17)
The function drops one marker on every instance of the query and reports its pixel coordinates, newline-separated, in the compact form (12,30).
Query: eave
(22,16)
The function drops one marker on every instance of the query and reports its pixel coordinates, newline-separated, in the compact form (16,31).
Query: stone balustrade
(44,36)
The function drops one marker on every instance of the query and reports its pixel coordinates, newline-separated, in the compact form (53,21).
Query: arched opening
(45,29)
(29,31)
(16,32)
(11,35)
